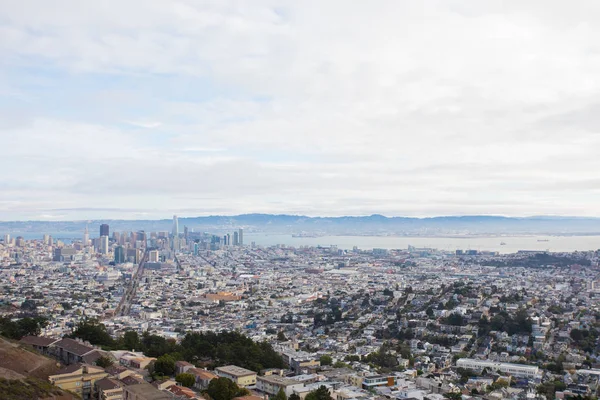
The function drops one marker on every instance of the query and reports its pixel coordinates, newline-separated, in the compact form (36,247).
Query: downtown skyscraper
(175,225)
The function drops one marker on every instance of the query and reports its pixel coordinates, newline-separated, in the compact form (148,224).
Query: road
(125,304)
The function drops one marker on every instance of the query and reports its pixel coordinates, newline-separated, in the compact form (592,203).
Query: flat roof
(234,370)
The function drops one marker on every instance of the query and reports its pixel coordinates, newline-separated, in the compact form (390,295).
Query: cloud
(331,108)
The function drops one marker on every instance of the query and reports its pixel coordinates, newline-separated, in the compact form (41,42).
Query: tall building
(236,239)
(86,236)
(104,244)
(116,236)
(6,239)
(175,226)
(104,230)
(119,255)
(241,236)
(185,232)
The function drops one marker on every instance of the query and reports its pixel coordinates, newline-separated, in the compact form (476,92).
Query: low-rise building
(272,384)
(241,376)
(522,370)
(79,378)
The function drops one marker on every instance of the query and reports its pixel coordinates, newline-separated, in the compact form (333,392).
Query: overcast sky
(146,108)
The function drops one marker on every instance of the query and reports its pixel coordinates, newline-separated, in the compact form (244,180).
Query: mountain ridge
(352,225)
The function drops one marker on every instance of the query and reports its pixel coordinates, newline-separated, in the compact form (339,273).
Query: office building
(175,226)
(104,230)
(241,236)
(153,256)
(134,255)
(119,255)
(185,233)
(236,239)
(86,236)
(104,244)
(64,254)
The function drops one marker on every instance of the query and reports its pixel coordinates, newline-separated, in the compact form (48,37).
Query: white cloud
(426,108)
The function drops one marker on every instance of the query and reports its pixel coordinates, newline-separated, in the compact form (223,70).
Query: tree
(224,389)
(326,360)
(294,396)
(322,393)
(131,340)
(430,312)
(281,336)
(185,379)
(93,331)
(280,395)
(29,305)
(22,327)
(164,365)
(453,396)
(104,362)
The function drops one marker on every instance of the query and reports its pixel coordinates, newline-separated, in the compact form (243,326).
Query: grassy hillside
(24,374)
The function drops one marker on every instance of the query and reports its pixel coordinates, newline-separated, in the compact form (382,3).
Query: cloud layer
(122,109)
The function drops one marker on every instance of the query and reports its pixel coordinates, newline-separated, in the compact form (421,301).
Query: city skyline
(438,108)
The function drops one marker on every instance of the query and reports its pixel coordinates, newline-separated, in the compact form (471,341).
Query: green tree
(186,380)
(326,360)
(224,389)
(322,393)
(131,340)
(453,396)
(93,331)
(104,362)
(280,395)
(294,396)
(281,336)
(17,328)
(164,365)
(429,312)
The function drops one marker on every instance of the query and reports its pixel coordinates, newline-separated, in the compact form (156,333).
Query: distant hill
(348,225)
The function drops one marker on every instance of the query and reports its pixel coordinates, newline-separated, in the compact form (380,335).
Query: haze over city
(141,109)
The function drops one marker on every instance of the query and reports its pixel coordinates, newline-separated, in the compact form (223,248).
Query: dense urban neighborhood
(170,315)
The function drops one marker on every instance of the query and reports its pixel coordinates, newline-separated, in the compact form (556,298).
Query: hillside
(24,374)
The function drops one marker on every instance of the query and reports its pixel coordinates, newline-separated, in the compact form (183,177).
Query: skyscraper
(104,230)
(6,239)
(185,232)
(175,226)
(236,239)
(119,255)
(241,236)
(104,244)
(86,236)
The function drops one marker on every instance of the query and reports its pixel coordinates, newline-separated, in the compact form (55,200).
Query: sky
(136,109)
